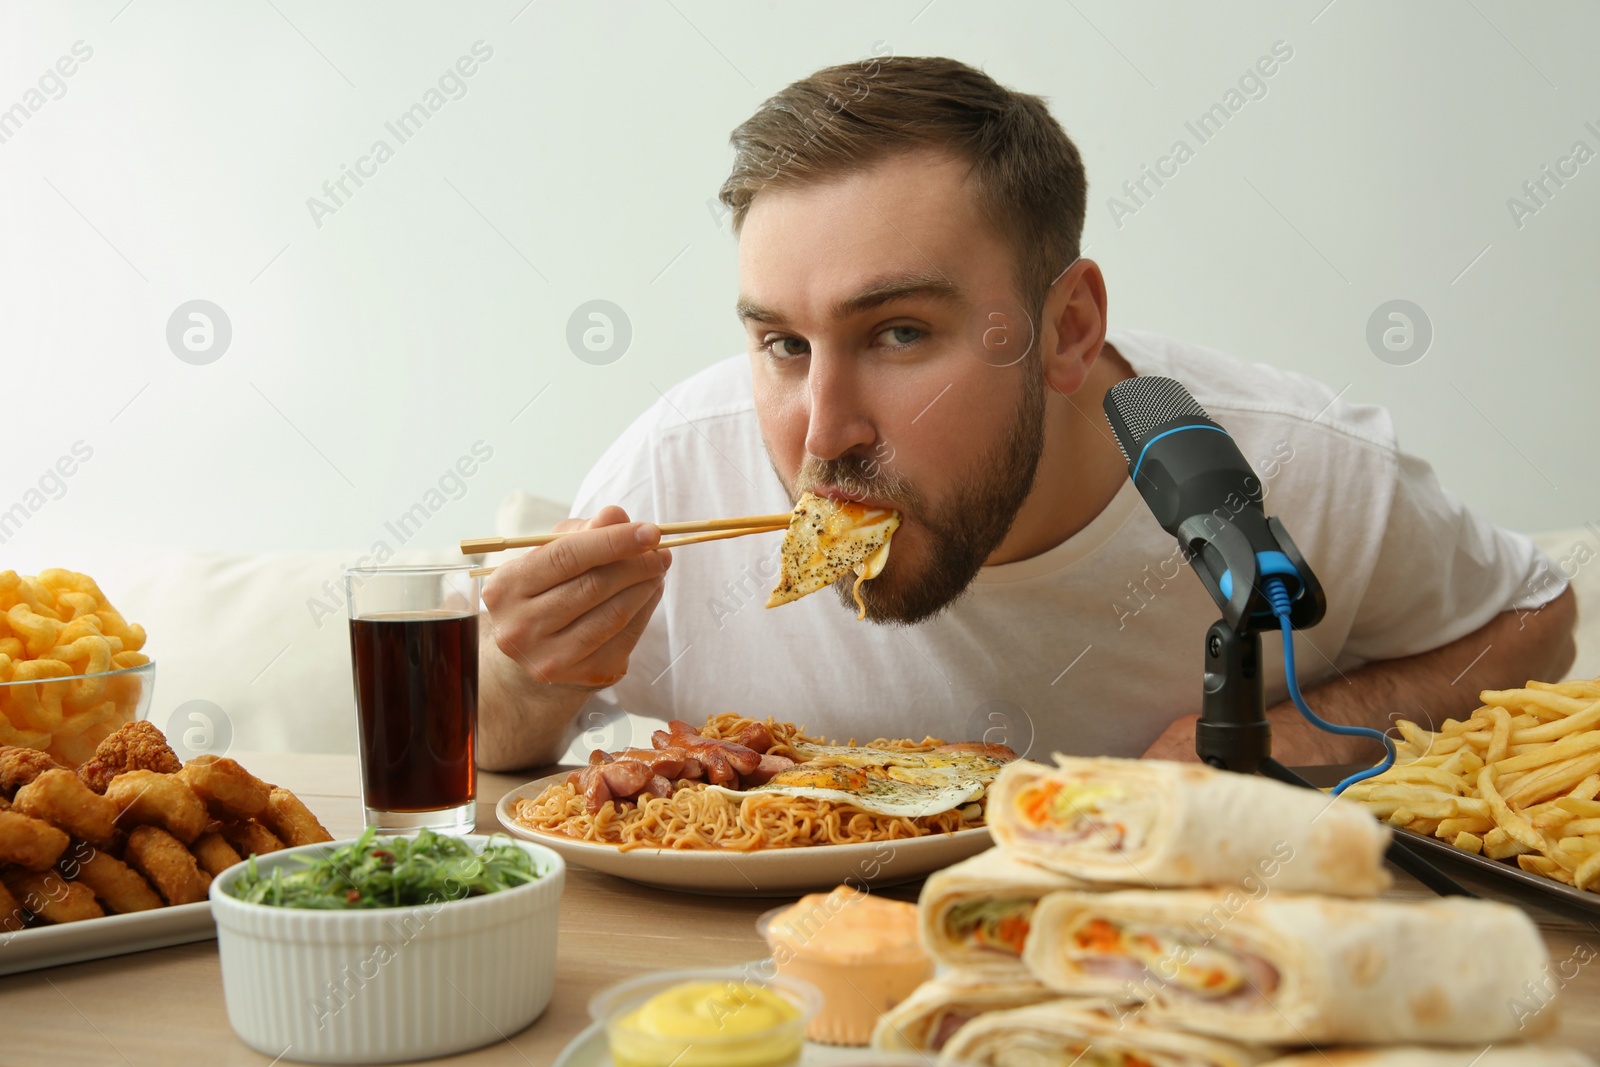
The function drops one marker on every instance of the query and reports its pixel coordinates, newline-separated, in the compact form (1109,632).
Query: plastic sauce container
(736,1017)
(861,951)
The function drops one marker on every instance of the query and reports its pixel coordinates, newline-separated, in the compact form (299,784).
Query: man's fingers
(561,606)
(607,664)
(568,557)
(609,515)
(603,622)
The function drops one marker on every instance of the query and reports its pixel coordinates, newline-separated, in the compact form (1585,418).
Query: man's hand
(1176,741)
(571,612)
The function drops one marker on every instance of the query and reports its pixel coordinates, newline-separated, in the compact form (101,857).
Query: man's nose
(838,419)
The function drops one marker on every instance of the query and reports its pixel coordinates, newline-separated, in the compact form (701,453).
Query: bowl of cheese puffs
(72,669)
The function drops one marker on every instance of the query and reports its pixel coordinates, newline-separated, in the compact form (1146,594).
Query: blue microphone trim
(1169,433)
(1268,564)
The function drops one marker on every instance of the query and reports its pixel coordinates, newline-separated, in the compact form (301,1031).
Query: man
(924,335)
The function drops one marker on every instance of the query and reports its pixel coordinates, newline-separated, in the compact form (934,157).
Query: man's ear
(1074,326)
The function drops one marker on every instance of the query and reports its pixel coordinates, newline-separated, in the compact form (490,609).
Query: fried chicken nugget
(60,798)
(19,766)
(214,853)
(291,820)
(230,792)
(138,746)
(51,898)
(29,842)
(162,858)
(121,889)
(11,911)
(250,838)
(151,798)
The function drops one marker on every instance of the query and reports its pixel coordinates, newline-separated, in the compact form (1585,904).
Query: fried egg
(884,781)
(828,539)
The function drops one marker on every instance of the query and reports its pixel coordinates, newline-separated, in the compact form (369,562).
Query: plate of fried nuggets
(131,839)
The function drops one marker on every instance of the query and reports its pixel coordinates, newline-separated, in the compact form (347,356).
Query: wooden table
(165,1007)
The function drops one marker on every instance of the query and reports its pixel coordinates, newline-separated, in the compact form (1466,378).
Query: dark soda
(417,702)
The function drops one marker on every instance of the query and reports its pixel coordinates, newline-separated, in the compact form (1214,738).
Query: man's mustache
(859,477)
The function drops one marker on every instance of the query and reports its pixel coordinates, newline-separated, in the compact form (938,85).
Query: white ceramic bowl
(387,984)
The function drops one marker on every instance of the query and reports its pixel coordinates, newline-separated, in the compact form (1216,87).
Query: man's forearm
(1427,688)
(521,722)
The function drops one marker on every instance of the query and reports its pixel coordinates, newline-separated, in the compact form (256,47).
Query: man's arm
(1427,688)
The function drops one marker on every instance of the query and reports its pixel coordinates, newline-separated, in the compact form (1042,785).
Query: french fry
(1468,842)
(1450,829)
(1553,780)
(1516,826)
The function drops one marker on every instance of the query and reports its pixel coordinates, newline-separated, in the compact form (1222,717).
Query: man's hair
(1026,172)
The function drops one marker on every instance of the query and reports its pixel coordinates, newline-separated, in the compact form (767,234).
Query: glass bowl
(68,717)
(723,1037)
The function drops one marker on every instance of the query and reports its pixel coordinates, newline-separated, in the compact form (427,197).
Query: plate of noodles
(741,806)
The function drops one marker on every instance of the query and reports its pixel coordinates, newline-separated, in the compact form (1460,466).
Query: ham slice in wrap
(1461,1056)
(926,1019)
(1290,969)
(975,914)
(1083,1034)
(1153,822)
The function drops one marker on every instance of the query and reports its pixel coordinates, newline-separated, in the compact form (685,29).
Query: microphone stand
(1233,732)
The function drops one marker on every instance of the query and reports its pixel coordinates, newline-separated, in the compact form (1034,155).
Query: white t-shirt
(1092,647)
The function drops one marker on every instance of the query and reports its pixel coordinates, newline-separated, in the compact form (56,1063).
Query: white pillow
(252,646)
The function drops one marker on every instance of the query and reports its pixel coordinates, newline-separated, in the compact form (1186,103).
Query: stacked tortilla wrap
(976,914)
(1156,823)
(1188,917)
(926,1019)
(1293,969)
(1088,1034)
(1464,1056)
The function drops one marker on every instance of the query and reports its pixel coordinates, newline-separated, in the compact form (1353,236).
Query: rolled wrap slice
(975,914)
(1154,822)
(926,1020)
(1460,1056)
(1290,969)
(1082,1034)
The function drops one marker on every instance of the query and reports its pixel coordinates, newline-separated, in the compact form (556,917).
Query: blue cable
(1278,595)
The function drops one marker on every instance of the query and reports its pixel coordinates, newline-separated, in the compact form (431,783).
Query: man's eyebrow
(929,285)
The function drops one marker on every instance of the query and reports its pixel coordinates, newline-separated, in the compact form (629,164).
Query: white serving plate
(775,872)
(589,1049)
(113,935)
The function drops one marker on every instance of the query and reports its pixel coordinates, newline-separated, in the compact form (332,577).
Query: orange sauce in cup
(861,951)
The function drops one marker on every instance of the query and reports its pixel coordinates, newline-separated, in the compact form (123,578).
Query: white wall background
(430,310)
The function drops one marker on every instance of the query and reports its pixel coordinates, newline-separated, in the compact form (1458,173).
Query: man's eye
(786,347)
(900,336)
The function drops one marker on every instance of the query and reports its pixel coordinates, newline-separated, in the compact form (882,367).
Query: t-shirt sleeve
(1442,571)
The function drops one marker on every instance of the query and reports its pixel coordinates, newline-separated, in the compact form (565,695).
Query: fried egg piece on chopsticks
(828,539)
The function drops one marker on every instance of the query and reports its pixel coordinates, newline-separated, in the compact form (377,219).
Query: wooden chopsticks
(706,530)
(744,524)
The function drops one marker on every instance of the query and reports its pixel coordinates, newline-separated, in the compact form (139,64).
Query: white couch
(261,640)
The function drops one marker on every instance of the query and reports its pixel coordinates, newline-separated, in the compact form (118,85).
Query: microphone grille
(1146,402)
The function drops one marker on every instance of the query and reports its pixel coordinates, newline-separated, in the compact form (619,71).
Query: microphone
(1201,490)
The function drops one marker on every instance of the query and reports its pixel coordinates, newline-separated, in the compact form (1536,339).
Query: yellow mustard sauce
(708,1024)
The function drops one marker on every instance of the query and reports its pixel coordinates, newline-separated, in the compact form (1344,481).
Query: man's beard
(963,530)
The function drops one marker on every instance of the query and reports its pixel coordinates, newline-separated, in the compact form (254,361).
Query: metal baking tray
(1504,870)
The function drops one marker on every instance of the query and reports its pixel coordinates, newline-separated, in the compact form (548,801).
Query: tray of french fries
(1513,789)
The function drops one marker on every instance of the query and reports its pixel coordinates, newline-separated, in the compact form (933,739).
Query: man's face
(887,351)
